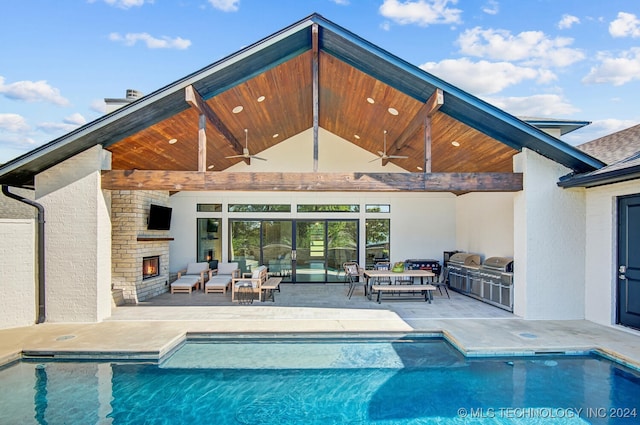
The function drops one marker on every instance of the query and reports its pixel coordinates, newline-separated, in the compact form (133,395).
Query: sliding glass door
(297,250)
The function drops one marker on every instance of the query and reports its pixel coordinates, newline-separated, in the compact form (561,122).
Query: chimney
(113,103)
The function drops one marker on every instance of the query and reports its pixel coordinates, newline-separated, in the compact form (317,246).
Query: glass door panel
(244,244)
(209,242)
(277,243)
(342,245)
(310,246)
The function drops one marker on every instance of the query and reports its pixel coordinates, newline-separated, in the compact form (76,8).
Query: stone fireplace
(150,267)
(139,257)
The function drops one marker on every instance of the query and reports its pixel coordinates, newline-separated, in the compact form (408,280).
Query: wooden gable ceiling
(278,104)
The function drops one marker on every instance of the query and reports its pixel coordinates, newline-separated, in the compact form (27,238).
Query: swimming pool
(384,380)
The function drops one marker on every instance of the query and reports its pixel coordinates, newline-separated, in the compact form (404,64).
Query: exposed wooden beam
(320,182)
(316,95)
(193,98)
(430,107)
(202,143)
(427,144)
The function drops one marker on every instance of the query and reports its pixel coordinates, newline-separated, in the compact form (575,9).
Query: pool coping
(162,354)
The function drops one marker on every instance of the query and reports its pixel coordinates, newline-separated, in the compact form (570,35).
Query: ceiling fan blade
(375,159)
(397,156)
(234,156)
(257,157)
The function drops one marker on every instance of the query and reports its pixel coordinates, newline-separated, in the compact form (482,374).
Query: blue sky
(569,59)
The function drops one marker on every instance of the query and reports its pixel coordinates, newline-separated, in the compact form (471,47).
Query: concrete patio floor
(151,329)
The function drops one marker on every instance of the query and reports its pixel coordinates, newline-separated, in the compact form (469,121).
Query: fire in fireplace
(150,267)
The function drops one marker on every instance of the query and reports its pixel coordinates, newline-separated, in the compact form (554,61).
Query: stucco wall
(484,224)
(17,273)
(78,238)
(601,255)
(549,242)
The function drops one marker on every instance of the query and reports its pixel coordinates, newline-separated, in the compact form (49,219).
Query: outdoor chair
(194,276)
(353,273)
(243,288)
(220,278)
(441,281)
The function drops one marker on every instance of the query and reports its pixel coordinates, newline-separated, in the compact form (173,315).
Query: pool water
(321,381)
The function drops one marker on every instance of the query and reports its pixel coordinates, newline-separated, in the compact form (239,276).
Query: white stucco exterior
(18,305)
(549,247)
(78,238)
(601,253)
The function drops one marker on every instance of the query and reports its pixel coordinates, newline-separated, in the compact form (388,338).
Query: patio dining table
(369,275)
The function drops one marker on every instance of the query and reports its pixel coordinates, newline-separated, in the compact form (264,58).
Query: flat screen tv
(159,217)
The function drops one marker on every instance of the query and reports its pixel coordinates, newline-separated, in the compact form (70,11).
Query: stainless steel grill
(495,281)
(460,265)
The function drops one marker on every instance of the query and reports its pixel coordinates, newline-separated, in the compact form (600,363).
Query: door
(296,250)
(629,261)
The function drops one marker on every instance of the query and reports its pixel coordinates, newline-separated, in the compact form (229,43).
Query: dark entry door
(629,261)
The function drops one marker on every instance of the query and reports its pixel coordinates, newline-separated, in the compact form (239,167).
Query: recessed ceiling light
(455,143)
(237,109)
(393,111)
(261,98)
(276,135)
(210,166)
(370,100)
(419,168)
(172,141)
(356,136)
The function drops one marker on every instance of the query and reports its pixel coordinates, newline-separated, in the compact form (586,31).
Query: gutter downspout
(41,294)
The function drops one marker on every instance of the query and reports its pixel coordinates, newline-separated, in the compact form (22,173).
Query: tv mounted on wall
(159,217)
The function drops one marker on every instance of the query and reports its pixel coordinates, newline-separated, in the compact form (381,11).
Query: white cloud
(567,21)
(615,70)
(485,77)
(421,12)
(341,2)
(13,123)
(164,42)
(98,106)
(530,47)
(541,105)
(75,119)
(491,8)
(32,91)
(225,5)
(626,25)
(124,4)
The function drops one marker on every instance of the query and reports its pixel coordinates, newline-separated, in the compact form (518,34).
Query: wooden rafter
(193,98)
(320,182)
(430,107)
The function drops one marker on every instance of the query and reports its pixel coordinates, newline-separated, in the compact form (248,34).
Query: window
(209,243)
(313,208)
(378,208)
(377,239)
(259,208)
(209,208)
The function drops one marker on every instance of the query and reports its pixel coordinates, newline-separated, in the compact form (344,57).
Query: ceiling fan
(245,150)
(383,155)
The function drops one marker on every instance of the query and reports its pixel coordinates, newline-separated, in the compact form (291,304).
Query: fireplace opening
(150,267)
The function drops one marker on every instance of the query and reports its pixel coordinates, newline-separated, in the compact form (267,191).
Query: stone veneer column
(130,211)
(549,242)
(77,238)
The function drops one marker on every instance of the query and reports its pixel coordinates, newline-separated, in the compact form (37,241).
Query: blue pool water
(321,381)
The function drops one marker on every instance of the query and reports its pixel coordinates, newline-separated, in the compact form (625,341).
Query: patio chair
(353,273)
(441,281)
(194,276)
(220,278)
(243,288)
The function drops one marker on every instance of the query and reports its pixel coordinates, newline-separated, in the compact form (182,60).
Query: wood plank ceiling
(278,104)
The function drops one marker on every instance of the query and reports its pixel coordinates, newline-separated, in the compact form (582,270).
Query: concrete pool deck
(152,329)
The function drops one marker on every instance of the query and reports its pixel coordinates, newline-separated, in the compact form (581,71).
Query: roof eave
(600,179)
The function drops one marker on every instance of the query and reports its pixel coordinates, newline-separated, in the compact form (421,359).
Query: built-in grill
(495,282)
(460,265)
